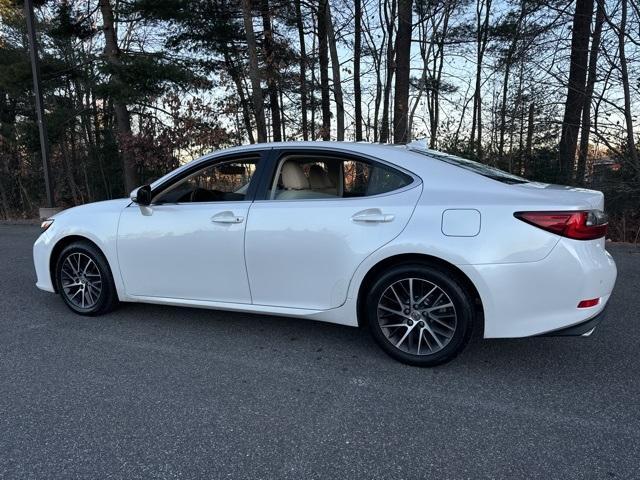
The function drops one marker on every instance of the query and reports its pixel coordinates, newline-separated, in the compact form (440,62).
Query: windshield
(476,167)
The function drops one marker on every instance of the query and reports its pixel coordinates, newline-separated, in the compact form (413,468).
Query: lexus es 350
(419,246)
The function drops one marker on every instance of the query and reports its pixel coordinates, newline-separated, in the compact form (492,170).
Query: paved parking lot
(162,392)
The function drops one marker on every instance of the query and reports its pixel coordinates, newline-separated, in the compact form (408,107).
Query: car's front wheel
(84,279)
(420,314)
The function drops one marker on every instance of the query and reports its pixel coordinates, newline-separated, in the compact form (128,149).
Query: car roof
(362,147)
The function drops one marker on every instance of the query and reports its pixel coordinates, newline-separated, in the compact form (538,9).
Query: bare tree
(483,12)
(591,81)
(337,83)
(403,60)
(376,57)
(529,149)
(390,18)
(271,69)
(436,17)
(323,53)
(357,51)
(508,61)
(236,77)
(574,104)
(303,70)
(254,72)
(112,55)
(433,95)
(624,71)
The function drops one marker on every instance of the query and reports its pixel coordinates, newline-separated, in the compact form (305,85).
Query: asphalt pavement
(161,392)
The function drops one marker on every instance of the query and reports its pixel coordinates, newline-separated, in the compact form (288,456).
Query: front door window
(222,182)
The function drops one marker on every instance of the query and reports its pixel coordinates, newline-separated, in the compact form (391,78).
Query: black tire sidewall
(108,298)
(461,299)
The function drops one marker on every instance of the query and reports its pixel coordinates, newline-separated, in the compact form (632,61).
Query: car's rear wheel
(84,279)
(419,314)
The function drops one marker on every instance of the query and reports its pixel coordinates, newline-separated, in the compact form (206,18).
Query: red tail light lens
(589,303)
(578,225)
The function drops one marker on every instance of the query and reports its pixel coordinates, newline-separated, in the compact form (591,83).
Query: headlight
(46,224)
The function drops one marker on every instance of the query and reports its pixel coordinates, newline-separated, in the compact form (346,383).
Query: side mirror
(141,195)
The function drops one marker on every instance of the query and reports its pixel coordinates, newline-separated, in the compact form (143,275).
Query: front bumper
(41,255)
(583,329)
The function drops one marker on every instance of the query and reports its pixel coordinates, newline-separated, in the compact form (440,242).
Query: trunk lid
(562,194)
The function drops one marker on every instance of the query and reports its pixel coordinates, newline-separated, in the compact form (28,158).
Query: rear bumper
(535,298)
(583,329)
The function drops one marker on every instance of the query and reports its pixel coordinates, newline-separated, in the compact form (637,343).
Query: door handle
(373,215)
(226,217)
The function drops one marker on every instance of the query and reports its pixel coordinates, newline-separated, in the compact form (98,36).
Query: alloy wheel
(417,316)
(81,280)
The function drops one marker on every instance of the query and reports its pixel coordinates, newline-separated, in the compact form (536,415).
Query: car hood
(95,207)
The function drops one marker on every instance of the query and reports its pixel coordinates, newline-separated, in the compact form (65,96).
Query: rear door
(318,220)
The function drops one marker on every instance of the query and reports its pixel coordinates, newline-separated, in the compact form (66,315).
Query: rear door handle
(226,217)
(372,215)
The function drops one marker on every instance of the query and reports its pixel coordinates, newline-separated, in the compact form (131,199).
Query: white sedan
(420,246)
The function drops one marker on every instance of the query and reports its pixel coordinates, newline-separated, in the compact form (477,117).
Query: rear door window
(302,176)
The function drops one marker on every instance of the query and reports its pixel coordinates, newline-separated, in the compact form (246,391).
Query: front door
(189,243)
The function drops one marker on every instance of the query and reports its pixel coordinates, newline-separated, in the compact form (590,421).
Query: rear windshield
(476,167)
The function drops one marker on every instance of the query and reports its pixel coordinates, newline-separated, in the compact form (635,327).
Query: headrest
(318,177)
(293,178)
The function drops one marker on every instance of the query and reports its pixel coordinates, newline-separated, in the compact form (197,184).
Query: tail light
(578,225)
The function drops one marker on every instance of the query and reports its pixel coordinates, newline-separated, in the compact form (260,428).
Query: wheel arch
(412,258)
(60,245)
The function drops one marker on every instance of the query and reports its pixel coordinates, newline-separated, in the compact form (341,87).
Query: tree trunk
(68,171)
(357,88)
(235,74)
(283,116)
(435,98)
(505,82)
(112,55)
(3,200)
(403,58)
(384,128)
(528,163)
(254,72)
(271,69)
(376,57)
(337,83)
(323,53)
(312,91)
(631,144)
(482,35)
(583,151)
(576,94)
(303,71)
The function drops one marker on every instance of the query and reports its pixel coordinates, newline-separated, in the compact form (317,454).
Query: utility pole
(35,69)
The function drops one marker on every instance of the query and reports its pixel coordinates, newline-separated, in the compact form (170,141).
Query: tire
(426,334)
(84,280)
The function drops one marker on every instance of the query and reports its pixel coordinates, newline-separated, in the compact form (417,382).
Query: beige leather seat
(319,181)
(296,184)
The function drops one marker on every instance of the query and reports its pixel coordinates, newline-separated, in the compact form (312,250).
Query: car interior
(222,182)
(299,177)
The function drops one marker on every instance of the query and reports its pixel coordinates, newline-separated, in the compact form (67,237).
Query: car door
(317,221)
(189,243)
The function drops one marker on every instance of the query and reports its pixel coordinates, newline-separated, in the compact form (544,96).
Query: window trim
(277,154)
(261,156)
